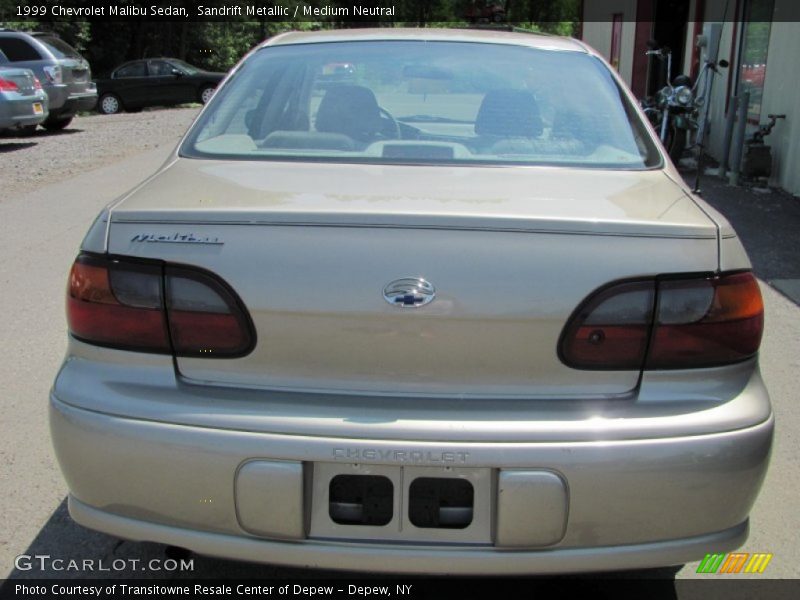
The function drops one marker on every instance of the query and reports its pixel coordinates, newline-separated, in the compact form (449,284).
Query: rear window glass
(18,50)
(423,102)
(58,47)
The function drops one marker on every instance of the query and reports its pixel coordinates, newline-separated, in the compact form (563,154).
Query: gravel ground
(27,163)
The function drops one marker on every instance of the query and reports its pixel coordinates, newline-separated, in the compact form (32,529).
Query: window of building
(616,39)
(753,54)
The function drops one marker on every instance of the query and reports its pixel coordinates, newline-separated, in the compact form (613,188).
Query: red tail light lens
(666,324)
(37,85)
(54,74)
(152,307)
(205,317)
(610,328)
(116,304)
(8,86)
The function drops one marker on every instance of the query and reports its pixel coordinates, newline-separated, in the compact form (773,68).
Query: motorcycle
(673,111)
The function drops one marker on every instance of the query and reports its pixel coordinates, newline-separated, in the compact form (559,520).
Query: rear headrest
(509,113)
(351,110)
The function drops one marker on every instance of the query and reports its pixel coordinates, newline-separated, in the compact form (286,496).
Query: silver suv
(65,74)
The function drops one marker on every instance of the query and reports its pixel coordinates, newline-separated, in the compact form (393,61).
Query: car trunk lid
(76,74)
(24,79)
(511,252)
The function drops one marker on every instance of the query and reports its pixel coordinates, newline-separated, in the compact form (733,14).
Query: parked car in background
(23,102)
(480,329)
(65,75)
(155,82)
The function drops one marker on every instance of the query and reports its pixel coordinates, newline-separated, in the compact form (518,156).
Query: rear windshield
(58,47)
(422,102)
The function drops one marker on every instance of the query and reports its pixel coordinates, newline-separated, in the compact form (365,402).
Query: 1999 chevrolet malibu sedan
(452,310)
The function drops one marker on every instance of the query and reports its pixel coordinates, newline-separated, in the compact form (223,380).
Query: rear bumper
(57,94)
(65,102)
(628,503)
(83,101)
(413,559)
(15,113)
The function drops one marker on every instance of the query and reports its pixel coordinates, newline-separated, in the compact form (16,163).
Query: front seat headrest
(509,113)
(351,110)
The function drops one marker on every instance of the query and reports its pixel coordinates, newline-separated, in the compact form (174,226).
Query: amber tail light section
(666,323)
(149,306)
(706,323)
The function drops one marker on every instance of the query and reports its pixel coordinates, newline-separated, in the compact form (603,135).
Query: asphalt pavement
(768,222)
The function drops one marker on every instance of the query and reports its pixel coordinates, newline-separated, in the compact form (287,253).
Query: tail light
(152,307)
(707,322)
(6,85)
(117,304)
(666,324)
(54,74)
(611,328)
(205,317)
(37,85)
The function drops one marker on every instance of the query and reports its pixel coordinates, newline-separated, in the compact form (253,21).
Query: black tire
(205,93)
(109,104)
(56,124)
(676,143)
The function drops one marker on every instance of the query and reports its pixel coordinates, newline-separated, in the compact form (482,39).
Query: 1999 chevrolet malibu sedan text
(416,301)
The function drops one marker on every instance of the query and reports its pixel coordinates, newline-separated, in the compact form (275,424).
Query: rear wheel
(109,104)
(56,124)
(206,92)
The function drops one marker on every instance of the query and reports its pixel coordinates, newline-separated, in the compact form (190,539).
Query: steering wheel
(392,122)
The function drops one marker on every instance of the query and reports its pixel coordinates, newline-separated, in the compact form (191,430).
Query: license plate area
(360,500)
(38,109)
(363,502)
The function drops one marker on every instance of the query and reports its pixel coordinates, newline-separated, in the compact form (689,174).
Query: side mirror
(177,72)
